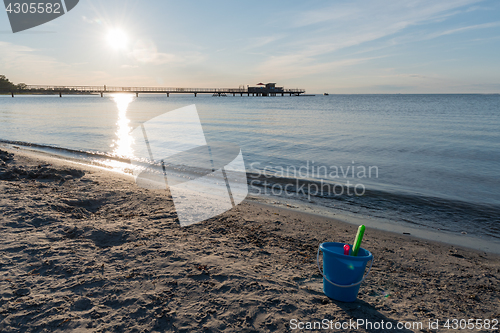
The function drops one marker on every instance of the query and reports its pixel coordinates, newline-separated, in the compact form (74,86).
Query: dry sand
(86,250)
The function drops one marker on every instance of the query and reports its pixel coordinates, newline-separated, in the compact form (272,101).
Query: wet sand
(85,250)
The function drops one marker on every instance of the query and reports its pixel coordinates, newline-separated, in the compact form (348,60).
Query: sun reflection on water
(123,144)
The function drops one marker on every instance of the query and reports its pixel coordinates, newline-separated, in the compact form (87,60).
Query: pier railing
(109,89)
(52,89)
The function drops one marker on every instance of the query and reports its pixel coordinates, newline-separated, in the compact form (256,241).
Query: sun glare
(123,143)
(117,39)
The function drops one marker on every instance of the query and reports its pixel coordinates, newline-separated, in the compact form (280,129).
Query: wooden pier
(69,90)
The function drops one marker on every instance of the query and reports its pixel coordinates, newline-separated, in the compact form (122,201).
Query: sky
(349,46)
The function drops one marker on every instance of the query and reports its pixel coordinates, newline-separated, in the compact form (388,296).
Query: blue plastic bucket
(343,274)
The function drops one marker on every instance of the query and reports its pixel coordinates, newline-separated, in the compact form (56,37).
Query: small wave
(67,152)
(416,209)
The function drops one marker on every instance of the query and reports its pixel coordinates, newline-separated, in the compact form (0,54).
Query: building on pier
(267,89)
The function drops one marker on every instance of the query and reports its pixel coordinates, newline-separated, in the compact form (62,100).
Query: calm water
(434,159)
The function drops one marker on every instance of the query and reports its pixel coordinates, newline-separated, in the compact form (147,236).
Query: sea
(422,162)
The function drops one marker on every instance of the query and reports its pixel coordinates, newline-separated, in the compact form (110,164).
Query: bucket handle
(340,285)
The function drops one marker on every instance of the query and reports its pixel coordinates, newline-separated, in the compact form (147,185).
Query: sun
(117,39)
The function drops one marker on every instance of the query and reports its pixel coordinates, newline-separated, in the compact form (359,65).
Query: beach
(190,167)
(84,249)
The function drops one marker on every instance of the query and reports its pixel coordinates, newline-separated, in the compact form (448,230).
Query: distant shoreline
(42,94)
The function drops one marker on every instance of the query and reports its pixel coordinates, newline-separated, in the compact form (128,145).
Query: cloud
(296,66)
(24,64)
(179,59)
(257,42)
(493,87)
(145,51)
(382,11)
(391,88)
(404,75)
(23,60)
(92,20)
(355,23)
(320,33)
(463,29)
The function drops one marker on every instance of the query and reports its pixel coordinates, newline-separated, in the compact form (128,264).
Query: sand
(85,250)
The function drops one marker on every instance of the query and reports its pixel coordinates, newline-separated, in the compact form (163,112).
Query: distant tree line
(6,85)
